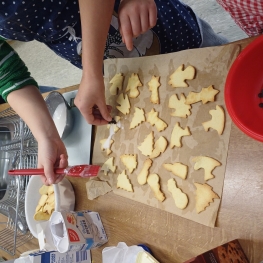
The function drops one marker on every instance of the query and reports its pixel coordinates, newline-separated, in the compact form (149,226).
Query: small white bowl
(64,199)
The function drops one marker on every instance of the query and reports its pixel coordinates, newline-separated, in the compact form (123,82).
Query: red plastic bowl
(244,83)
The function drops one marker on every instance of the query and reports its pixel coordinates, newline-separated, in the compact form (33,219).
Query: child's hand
(135,18)
(30,106)
(51,153)
(90,100)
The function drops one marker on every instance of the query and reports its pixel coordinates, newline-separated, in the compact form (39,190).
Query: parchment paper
(97,188)
(212,65)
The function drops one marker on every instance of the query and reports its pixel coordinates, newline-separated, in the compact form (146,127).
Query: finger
(109,107)
(127,32)
(63,162)
(120,29)
(86,111)
(88,115)
(136,25)
(96,111)
(97,118)
(49,173)
(153,16)
(145,23)
(104,111)
(59,178)
(99,122)
(43,179)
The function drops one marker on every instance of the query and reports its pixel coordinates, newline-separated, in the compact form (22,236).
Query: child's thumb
(104,111)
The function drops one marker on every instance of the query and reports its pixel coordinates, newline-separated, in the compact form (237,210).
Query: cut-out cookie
(142,176)
(46,203)
(116,82)
(43,200)
(43,190)
(130,161)
(108,166)
(146,147)
(50,189)
(205,95)
(177,134)
(159,147)
(133,84)
(154,84)
(153,119)
(124,103)
(204,196)
(40,216)
(181,109)
(177,169)
(106,145)
(137,118)
(123,182)
(218,120)
(153,182)
(180,198)
(207,163)
(179,77)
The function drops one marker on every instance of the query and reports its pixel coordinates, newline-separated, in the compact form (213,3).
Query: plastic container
(244,90)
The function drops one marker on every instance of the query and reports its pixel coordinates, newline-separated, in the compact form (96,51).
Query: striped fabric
(248,14)
(13,72)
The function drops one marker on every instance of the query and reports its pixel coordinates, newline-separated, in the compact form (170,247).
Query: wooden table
(175,239)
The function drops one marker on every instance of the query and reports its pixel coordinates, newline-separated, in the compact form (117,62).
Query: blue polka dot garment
(56,23)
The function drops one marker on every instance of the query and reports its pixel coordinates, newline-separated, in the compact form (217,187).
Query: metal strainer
(59,110)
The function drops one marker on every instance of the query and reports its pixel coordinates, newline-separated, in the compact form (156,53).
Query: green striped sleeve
(13,72)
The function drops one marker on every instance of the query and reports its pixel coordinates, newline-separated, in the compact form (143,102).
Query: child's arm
(95,21)
(135,18)
(20,90)
(30,106)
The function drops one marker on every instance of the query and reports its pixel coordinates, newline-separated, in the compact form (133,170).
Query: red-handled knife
(83,170)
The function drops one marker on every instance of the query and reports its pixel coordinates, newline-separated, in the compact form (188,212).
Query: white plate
(64,199)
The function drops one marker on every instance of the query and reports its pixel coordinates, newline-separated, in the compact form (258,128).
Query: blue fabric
(49,22)
(44,89)
(209,37)
(42,20)
(176,28)
(57,24)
